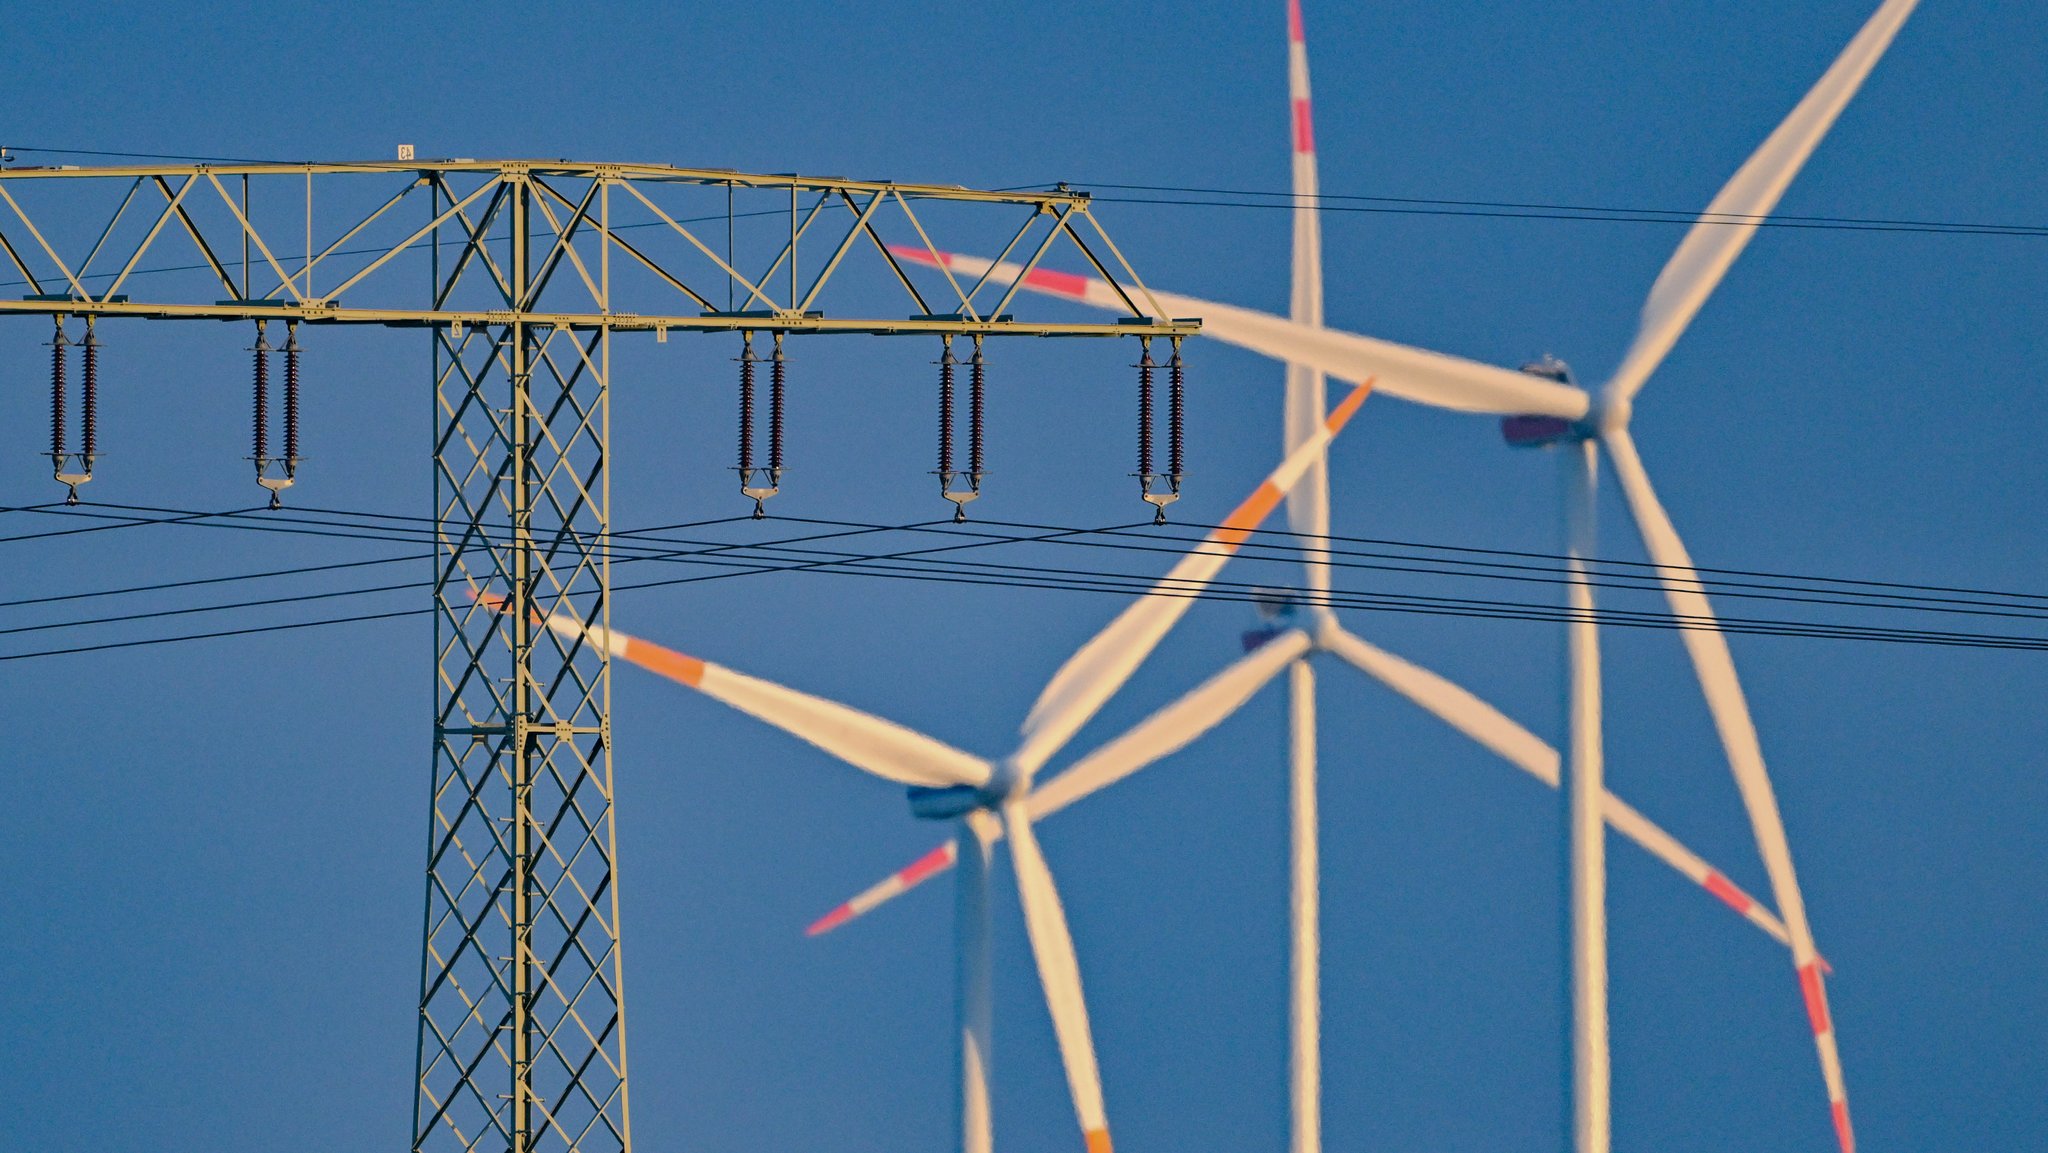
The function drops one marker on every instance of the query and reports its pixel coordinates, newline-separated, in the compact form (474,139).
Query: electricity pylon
(521,1040)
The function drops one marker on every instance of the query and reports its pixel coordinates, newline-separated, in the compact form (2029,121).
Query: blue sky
(214,849)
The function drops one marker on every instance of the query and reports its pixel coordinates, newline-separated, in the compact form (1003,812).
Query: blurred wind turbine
(994,798)
(1544,408)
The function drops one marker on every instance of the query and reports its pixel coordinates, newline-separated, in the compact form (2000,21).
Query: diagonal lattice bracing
(521,1038)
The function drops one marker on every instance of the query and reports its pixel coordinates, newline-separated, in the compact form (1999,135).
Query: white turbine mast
(1545,409)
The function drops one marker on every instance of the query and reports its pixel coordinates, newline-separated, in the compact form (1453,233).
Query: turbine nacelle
(951,802)
(1277,611)
(947,804)
(1533,431)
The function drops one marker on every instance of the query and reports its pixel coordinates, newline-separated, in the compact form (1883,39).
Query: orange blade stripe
(1256,507)
(1098,1140)
(1347,407)
(666,662)
(1261,503)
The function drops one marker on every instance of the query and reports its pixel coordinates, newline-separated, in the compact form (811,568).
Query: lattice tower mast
(521,1039)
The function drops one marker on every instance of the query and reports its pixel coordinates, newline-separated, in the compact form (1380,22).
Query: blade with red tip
(895,884)
(1714,665)
(1093,674)
(1432,378)
(1308,506)
(1467,713)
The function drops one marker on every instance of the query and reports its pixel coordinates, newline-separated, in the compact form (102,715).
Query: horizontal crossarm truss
(688,249)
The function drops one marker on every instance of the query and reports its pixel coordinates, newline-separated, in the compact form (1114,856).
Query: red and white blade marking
(1297,82)
(902,880)
(1714,666)
(1630,823)
(1415,374)
(1814,989)
(1053,282)
(1493,729)
(1308,506)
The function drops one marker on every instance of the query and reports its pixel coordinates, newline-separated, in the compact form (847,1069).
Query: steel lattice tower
(522,1014)
(521,1038)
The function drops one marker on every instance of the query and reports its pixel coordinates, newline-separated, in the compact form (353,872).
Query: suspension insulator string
(750,476)
(89,418)
(1176,412)
(291,400)
(273,474)
(1149,487)
(1145,367)
(947,474)
(977,383)
(776,378)
(261,437)
(946,362)
(60,460)
(746,464)
(57,356)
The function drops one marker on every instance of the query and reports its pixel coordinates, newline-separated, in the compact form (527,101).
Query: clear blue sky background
(213,850)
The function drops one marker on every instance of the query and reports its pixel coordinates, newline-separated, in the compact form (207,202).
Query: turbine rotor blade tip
(830,921)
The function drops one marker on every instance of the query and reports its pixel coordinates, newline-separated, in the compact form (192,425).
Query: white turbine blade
(1094,673)
(1432,378)
(1712,245)
(1455,706)
(1171,728)
(1624,819)
(863,740)
(1715,667)
(1467,713)
(1308,506)
(894,885)
(1053,948)
(1306,305)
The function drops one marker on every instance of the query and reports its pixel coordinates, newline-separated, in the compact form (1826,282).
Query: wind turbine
(1554,412)
(993,798)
